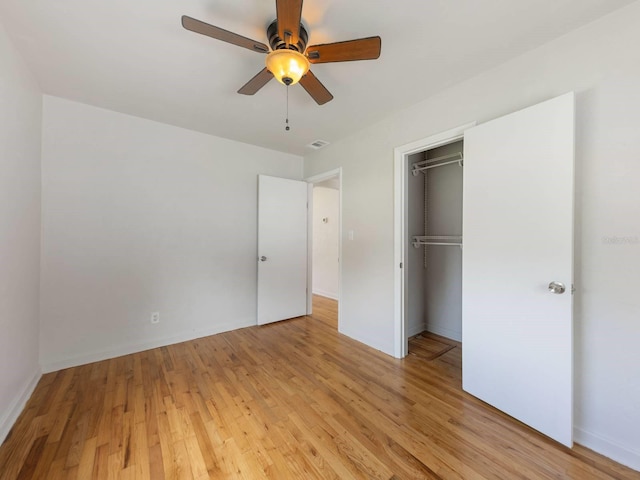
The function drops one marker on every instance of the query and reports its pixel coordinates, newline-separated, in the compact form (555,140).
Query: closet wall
(416,285)
(435,271)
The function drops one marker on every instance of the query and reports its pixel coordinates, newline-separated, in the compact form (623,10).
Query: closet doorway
(428,228)
(434,264)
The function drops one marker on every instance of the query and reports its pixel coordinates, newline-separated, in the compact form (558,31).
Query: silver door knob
(557,288)
(263,258)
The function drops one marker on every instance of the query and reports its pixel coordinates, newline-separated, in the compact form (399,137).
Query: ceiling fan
(289,57)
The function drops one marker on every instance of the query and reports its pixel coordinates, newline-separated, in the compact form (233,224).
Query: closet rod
(430,163)
(418,241)
(445,244)
(438,237)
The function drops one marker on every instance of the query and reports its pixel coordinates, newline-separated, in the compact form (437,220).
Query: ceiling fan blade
(289,14)
(360,49)
(256,83)
(316,89)
(221,34)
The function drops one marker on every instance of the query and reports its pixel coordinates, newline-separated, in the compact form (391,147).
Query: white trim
(400,165)
(15,409)
(309,248)
(83,359)
(608,447)
(416,330)
(322,293)
(321,177)
(445,332)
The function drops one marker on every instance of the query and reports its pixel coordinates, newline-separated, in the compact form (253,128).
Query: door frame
(312,180)
(401,235)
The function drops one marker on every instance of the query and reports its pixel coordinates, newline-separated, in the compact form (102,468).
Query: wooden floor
(429,346)
(293,399)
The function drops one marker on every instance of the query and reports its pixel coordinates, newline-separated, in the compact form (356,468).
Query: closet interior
(434,260)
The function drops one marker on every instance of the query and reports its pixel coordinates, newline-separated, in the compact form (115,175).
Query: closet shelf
(437,162)
(446,240)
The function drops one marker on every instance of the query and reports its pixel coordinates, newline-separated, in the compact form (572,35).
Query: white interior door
(282,249)
(518,238)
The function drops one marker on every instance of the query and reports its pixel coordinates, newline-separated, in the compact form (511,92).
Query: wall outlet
(155,317)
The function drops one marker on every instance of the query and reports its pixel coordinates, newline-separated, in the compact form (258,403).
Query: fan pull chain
(287,119)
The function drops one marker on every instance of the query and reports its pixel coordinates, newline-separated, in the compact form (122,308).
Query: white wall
(20,133)
(597,62)
(141,217)
(416,284)
(326,204)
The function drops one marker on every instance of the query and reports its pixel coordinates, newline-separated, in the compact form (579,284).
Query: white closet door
(518,238)
(282,249)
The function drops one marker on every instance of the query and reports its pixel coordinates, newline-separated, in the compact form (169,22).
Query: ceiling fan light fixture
(288,66)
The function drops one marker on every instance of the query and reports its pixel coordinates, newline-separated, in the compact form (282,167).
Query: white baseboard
(9,418)
(83,359)
(607,447)
(322,293)
(414,330)
(445,332)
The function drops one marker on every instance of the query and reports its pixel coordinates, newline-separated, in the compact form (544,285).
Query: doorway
(434,263)
(325,233)
(405,157)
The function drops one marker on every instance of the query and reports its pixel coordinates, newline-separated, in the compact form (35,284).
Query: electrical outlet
(155,317)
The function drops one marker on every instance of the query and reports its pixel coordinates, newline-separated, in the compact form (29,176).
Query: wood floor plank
(31,460)
(288,400)
(156,466)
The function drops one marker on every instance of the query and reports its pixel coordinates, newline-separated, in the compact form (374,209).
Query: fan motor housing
(278,43)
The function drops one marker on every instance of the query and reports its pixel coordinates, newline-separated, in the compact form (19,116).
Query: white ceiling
(133,56)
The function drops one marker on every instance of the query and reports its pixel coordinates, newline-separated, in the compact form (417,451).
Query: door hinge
(400,264)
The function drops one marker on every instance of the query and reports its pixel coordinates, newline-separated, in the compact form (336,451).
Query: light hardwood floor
(293,399)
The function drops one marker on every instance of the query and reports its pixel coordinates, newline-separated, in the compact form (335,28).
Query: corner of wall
(607,447)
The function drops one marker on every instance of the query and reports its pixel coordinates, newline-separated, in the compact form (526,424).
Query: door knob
(263,258)
(557,287)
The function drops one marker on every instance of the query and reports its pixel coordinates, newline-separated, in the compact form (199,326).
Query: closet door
(518,265)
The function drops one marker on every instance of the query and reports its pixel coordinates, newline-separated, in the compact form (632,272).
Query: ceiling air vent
(318,144)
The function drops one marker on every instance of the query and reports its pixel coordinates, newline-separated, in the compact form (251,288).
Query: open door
(518,265)
(282,249)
